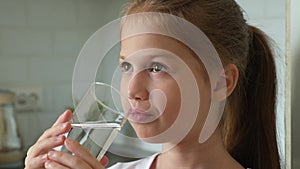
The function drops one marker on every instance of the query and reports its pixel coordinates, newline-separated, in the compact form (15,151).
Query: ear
(226,83)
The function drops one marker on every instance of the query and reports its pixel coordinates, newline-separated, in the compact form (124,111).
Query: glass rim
(97,83)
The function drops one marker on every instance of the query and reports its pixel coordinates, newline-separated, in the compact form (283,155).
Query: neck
(191,154)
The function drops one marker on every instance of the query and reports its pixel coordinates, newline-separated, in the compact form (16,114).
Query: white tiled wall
(39,43)
(20,42)
(10,18)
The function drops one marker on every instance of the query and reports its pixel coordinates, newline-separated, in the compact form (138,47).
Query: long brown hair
(249,121)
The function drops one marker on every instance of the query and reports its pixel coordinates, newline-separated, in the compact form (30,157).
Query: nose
(137,89)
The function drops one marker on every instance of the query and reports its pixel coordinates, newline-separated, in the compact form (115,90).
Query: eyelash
(162,68)
(127,67)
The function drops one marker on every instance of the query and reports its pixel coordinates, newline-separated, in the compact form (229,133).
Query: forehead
(145,41)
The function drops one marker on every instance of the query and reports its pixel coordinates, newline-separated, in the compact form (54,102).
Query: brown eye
(157,68)
(125,66)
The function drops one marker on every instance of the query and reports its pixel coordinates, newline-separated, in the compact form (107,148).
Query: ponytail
(255,145)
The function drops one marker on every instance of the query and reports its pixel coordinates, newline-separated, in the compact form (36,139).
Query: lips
(139,116)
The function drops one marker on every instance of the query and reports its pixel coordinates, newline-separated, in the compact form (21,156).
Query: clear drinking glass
(97,119)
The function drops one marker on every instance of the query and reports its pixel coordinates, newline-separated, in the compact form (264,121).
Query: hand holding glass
(97,119)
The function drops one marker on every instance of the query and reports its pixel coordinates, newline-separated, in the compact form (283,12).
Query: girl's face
(150,81)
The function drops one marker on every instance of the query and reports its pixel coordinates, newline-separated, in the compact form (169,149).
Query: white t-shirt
(144,163)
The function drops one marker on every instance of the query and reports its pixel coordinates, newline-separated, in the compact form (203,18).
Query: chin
(152,135)
(146,132)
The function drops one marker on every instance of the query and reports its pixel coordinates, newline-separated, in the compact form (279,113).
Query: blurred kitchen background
(41,39)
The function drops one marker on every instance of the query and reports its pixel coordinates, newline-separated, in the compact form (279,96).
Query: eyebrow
(122,57)
(152,55)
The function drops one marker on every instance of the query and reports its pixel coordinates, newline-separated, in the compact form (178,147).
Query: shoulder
(138,164)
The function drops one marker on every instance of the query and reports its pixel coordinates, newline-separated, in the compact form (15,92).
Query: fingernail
(68,141)
(60,138)
(65,124)
(48,164)
(65,112)
(51,154)
(68,111)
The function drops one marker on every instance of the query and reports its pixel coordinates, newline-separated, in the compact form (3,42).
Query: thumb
(104,161)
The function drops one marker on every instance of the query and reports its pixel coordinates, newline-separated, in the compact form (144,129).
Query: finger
(65,117)
(68,160)
(43,146)
(52,164)
(104,161)
(82,153)
(56,130)
(37,162)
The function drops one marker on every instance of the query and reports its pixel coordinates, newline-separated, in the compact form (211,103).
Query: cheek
(205,95)
(173,102)
(123,87)
(124,95)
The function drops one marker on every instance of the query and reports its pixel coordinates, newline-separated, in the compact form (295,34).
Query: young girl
(246,134)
